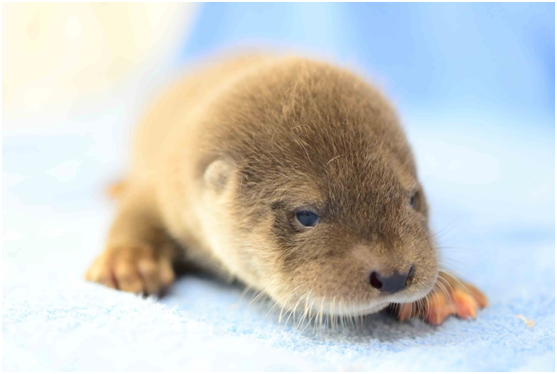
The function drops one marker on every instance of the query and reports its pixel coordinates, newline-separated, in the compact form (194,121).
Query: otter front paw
(450,296)
(134,269)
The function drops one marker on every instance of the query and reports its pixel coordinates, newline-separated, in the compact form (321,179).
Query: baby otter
(291,175)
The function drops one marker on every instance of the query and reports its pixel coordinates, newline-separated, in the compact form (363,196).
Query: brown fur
(226,156)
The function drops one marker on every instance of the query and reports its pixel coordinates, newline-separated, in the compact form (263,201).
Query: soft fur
(225,158)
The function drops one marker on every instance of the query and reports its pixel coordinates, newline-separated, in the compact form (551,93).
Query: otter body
(291,175)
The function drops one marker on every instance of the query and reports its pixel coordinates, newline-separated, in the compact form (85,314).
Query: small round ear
(218,174)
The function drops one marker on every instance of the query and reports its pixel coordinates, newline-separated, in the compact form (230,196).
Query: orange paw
(450,296)
(133,269)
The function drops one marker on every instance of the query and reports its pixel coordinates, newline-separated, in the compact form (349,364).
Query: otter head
(313,193)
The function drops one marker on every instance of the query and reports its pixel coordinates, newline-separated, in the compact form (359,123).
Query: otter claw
(449,297)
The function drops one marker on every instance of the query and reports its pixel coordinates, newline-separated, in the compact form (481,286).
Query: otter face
(345,237)
(321,206)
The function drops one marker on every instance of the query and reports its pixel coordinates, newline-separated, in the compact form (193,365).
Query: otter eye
(413,200)
(307,218)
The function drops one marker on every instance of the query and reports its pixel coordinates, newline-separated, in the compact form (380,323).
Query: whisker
(293,312)
(458,281)
(444,231)
(257,297)
(274,305)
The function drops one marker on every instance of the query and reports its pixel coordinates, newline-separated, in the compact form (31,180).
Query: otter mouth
(362,310)
(339,309)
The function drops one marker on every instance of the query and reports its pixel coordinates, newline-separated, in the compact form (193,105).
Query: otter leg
(450,296)
(139,254)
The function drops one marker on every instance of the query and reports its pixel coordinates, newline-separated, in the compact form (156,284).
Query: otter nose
(392,283)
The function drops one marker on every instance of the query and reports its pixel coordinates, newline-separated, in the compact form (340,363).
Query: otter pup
(291,175)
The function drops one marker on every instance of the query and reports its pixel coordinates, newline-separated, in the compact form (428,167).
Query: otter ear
(219,173)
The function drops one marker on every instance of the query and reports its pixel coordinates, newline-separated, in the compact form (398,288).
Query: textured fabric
(491,188)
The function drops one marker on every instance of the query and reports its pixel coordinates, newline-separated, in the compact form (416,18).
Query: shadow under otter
(232,306)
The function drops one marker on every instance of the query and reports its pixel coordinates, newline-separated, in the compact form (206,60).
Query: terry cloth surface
(491,190)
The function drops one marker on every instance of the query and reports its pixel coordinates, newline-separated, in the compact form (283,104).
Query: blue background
(497,57)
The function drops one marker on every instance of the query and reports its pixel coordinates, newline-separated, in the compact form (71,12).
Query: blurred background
(474,84)
(482,57)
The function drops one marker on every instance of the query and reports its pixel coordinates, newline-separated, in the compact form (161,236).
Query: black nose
(392,283)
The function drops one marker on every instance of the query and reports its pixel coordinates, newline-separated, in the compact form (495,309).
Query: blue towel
(492,199)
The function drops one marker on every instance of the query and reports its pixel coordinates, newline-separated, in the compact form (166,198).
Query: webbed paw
(450,296)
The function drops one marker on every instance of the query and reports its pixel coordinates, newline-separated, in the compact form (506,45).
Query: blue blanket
(492,199)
